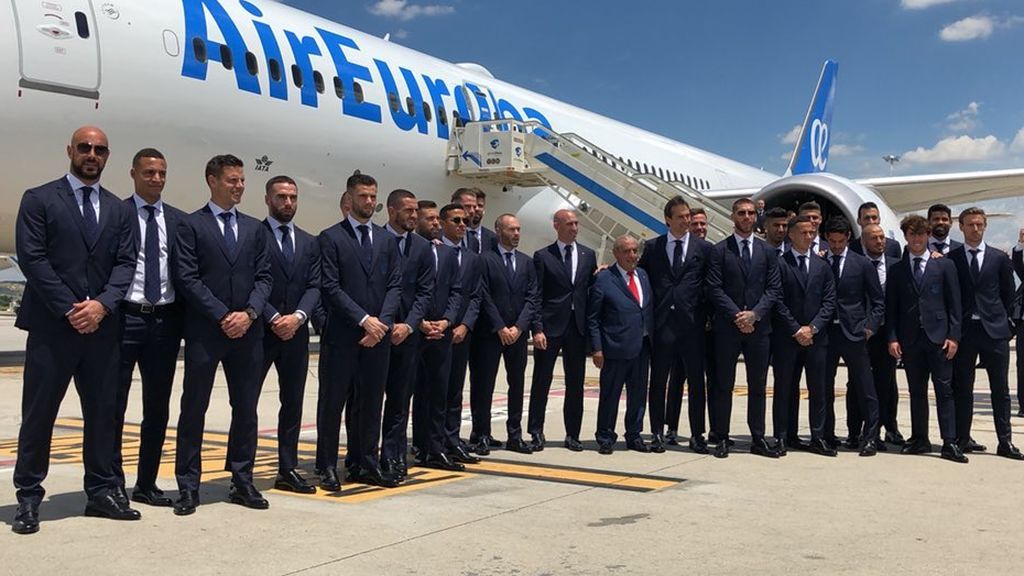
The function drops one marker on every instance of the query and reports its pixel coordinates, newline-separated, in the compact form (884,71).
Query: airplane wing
(908,193)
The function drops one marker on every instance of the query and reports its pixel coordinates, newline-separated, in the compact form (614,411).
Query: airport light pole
(892,159)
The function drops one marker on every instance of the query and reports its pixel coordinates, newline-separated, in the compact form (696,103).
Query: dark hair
(480,194)
(397,196)
(797,220)
(449,208)
(939,208)
(808,206)
(497,221)
(838,224)
(426,205)
(146,153)
(915,224)
(865,206)
(972,211)
(460,191)
(676,200)
(776,212)
(215,167)
(358,179)
(739,202)
(282,179)
(697,210)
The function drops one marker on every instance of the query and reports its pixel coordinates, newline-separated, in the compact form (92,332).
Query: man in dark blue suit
(620,321)
(75,245)
(479,239)
(152,320)
(507,311)
(940,218)
(801,319)
(986,285)
(361,285)
(222,268)
(868,215)
(676,263)
(565,270)
(1018,267)
(435,354)
(743,285)
(923,311)
(294,298)
(417,288)
(860,307)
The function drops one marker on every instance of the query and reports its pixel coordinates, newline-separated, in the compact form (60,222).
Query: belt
(148,309)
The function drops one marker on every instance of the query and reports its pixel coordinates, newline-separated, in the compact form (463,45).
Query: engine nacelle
(835,194)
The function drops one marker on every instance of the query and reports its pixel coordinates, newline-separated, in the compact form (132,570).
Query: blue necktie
(568,262)
(975,266)
(230,241)
(151,287)
(745,256)
(474,242)
(677,258)
(836,261)
(802,265)
(509,267)
(287,250)
(92,226)
(365,242)
(918,273)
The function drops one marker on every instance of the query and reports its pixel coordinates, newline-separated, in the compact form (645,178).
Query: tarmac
(553,512)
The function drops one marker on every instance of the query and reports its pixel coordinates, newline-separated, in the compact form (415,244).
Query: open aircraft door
(59,49)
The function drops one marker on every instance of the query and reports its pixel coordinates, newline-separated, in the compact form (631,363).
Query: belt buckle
(147,308)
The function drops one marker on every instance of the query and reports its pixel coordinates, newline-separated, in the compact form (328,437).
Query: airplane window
(661,174)
(275,70)
(457,120)
(358,89)
(297,76)
(426,112)
(318,81)
(225,57)
(339,88)
(393,101)
(645,168)
(410,106)
(251,64)
(199,47)
(442,116)
(82,23)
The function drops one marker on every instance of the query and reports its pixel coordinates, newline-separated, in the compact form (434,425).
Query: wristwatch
(251,313)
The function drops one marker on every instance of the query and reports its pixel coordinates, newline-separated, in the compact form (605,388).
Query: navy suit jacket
(892,248)
(446,299)
(352,289)
(680,298)
(508,301)
(991,296)
(935,306)
(62,267)
(215,282)
(860,302)
(470,277)
(563,301)
(616,321)
(732,290)
(296,286)
(806,301)
(417,281)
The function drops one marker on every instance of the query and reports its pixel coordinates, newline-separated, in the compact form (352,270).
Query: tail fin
(811,151)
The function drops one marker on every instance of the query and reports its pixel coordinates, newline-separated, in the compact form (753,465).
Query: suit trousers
(791,361)
(756,352)
(152,341)
(883,373)
(490,351)
(676,356)
(401,382)
(291,360)
(921,360)
(995,353)
(430,399)
(573,347)
(615,374)
(454,394)
(860,388)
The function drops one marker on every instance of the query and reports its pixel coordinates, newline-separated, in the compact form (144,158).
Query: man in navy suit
(868,215)
(435,353)
(620,322)
(1018,267)
(940,218)
(699,229)
(923,311)
(986,284)
(361,285)
(417,288)
(488,238)
(294,298)
(565,270)
(478,239)
(76,247)
(860,307)
(222,269)
(801,333)
(743,285)
(151,324)
(507,311)
(676,263)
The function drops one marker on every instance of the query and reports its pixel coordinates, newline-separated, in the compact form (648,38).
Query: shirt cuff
(302,316)
(275,316)
(363,320)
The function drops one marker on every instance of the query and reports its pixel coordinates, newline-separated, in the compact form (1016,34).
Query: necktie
(287,249)
(677,258)
(230,241)
(474,242)
(406,240)
(940,247)
(836,260)
(633,289)
(89,214)
(509,267)
(802,265)
(918,273)
(975,266)
(365,242)
(568,261)
(151,284)
(745,253)
(458,255)
(877,263)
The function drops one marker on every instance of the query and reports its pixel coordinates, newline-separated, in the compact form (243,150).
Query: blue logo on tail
(811,152)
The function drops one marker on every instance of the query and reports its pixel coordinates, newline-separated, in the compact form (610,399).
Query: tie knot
(87,191)
(508,256)
(974,251)
(284,229)
(458,249)
(940,246)
(226,216)
(918,260)
(568,248)
(152,212)
(631,273)
(877,263)
(362,228)
(745,242)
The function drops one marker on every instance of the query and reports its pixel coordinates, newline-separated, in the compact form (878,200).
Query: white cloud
(401,33)
(403,10)
(957,149)
(964,120)
(970,28)
(1018,142)
(791,136)
(846,149)
(922,4)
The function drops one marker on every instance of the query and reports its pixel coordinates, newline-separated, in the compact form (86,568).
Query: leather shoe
(699,445)
(869,448)
(714,439)
(329,480)
(658,444)
(760,447)
(722,449)
(517,445)
(780,447)
(821,446)
(795,443)
(247,495)
(638,445)
(461,455)
(672,438)
(292,481)
(492,441)
(917,446)
(971,446)
(952,452)
(880,446)
(375,478)
(605,448)
(851,442)
(186,504)
(894,437)
(1008,450)
(537,442)
(391,467)
(26,519)
(832,442)
(1020,413)
(480,446)
(110,506)
(441,461)
(573,444)
(151,496)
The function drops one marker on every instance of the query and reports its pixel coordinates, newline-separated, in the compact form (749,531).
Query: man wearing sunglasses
(75,245)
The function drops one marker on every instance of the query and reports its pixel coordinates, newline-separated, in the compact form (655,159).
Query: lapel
(68,195)
(171,224)
(792,262)
(560,261)
(276,249)
(210,221)
(353,237)
(621,283)
(108,203)
(985,264)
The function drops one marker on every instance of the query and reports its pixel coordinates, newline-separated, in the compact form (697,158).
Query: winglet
(811,151)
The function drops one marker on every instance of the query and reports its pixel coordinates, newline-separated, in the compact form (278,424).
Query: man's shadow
(54,507)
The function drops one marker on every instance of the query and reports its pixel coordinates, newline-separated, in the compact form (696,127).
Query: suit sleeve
(715,289)
(31,246)
(186,275)
(333,296)
(772,290)
(828,303)
(954,305)
(393,294)
(892,302)
(264,278)
(594,303)
(529,316)
(538,265)
(1007,290)
(269,311)
(487,306)
(310,300)
(876,299)
(781,309)
(424,290)
(1018,263)
(124,265)
(455,296)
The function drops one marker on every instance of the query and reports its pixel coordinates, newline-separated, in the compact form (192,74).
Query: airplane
(293,93)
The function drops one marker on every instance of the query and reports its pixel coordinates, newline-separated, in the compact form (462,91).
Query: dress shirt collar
(841,256)
(740,239)
(140,203)
(356,224)
(217,210)
(980,247)
(276,226)
(77,184)
(449,243)
(798,254)
(562,245)
(397,234)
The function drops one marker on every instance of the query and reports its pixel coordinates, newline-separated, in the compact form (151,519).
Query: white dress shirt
(275,226)
(137,291)
(670,246)
(94,198)
(217,211)
(639,285)
(502,251)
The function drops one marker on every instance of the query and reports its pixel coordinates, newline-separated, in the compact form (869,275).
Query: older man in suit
(222,268)
(620,322)
(75,245)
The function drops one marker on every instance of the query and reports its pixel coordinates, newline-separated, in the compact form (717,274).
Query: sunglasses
(745,213)
(99,149)
(458,220)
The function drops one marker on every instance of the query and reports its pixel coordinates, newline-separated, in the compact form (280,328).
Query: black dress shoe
(26,519)
(461,455)
(517,445)
(247,495)
(480,447)
(722,449)
(760,447)
(699,445)
(638,445)
(714,439)
(895,437)
(832,442)
(658,444)
(672,438)
(822,447)
(573,444)
(329,480)
(441,461)
(186,504)
(917,446)
(851,442)
(971,446)
(605,448)
(492,442)
(795,443)
(151,496)
(1020,413)
(880,446)
(292,481)
(1008,450)
(952,452)
(869,448)
(780,447)
(391,467)
(111,506)
(537,442)
(375,477)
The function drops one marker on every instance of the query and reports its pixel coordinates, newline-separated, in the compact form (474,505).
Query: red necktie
(633,288)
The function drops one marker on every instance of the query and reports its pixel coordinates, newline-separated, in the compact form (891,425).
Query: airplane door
(477,101)
(59,50)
